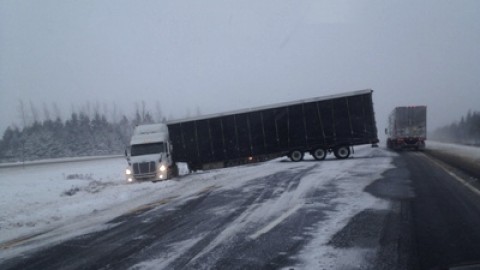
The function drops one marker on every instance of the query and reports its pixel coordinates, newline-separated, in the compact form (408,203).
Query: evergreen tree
(79,135)
(466,131)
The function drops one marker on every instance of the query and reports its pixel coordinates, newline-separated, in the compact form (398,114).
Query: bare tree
(56,111)
(144,110)
(96,109)
(115,113)
(136,117)
(158,110)
(105,110)
(86,109)
(34,112)
(22,112)
(73,109)
(46,112)
(23,115)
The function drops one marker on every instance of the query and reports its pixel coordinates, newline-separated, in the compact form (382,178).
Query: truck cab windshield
(147,149)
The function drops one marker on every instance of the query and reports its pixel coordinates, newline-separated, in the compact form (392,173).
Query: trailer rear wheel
(342,152)
(319,154)
(296,155)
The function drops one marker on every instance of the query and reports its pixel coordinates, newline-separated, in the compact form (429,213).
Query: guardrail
(55,160)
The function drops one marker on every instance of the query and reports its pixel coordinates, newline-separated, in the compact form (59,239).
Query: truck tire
(342,152)
(296,155)
(319,154)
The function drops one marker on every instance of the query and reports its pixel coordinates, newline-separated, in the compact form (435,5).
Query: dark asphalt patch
(363,230)
(395,183)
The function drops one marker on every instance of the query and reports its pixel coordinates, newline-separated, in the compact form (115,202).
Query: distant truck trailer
(407,128)
(331,124)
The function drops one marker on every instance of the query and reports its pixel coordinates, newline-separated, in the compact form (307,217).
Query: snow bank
(37,198)
(456,149)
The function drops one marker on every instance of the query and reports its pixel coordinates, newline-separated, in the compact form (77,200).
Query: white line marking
(275,222)
(459,179)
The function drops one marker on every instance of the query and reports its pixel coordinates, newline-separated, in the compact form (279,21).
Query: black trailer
(315,125)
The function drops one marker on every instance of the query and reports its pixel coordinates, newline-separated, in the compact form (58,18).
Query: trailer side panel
(305,125)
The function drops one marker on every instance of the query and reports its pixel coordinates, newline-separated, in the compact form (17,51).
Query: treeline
(467,131)
(82,134)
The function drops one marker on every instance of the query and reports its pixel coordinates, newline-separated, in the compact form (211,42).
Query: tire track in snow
(259,190)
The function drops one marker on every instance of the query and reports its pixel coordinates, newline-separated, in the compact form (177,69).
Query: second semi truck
(318,126)
(407,128)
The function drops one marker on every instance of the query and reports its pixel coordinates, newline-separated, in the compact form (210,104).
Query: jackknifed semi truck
(407,128)
(321,125)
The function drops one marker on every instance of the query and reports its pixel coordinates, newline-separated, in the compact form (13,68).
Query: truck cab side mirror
(386,131)
(169,148)
(127,156)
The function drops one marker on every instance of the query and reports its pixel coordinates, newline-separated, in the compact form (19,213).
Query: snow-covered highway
(361,213)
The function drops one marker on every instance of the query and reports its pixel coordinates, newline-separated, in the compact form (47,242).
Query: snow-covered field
(35,198)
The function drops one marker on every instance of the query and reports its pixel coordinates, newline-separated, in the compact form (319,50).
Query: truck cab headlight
(163,168)
(128,171)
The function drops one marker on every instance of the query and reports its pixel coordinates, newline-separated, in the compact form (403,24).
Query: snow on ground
(37,197)
(456,149)
(350,201)
(56,201)
(73,198)
(347,199)
(66,198)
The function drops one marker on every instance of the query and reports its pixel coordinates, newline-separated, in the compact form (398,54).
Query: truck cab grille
(144,168)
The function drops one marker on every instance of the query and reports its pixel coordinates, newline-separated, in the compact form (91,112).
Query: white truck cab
(149,154)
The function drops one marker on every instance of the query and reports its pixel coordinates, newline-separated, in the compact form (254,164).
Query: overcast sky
(223,55)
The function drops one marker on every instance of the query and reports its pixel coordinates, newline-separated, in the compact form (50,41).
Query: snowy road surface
(361,213)
(276,213)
